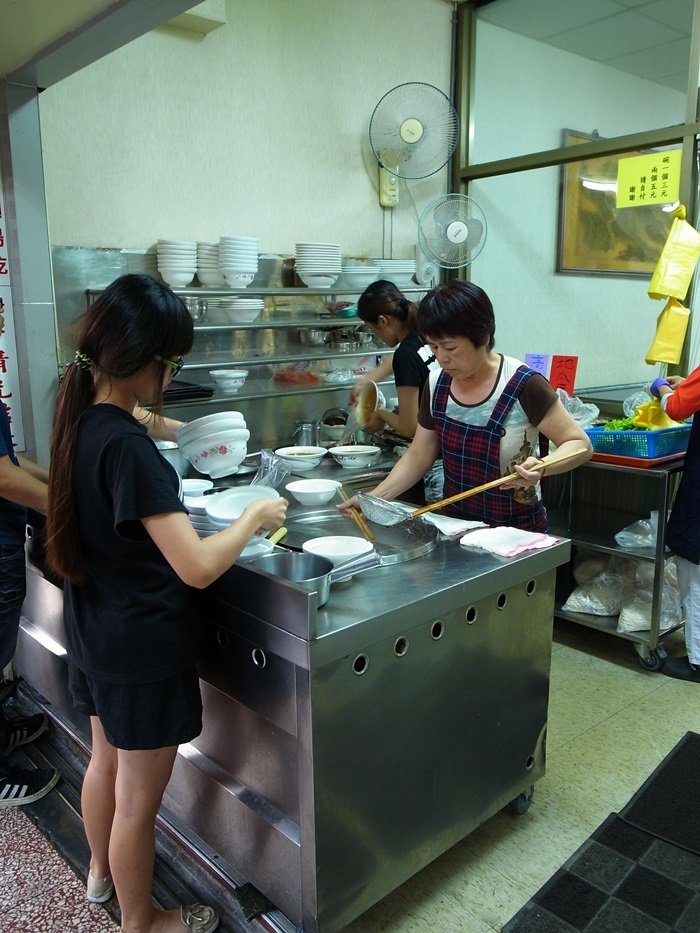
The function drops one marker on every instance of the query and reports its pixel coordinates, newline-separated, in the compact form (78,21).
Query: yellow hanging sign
(649,179)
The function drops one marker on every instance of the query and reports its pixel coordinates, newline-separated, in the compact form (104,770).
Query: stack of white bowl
(215,444)
(359,275)
(238,259)
(197,513)
(208,271)
(234,310)
(398,271)
(177,261)
(318,265)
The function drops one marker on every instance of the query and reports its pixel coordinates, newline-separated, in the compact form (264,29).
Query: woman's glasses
(174,365)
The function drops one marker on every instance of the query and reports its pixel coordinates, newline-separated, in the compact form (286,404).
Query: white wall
(526,94)
(260,128)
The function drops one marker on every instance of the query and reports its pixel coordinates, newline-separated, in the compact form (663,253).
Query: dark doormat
(668,802)
(627,878)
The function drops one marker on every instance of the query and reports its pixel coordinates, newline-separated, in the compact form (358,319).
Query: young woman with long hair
(120,537)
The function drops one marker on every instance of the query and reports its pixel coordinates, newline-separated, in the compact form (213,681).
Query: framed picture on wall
(595,237)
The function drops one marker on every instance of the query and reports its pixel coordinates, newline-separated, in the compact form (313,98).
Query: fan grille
(413,130)
(452,231)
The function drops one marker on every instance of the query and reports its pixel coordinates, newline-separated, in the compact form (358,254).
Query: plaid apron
(471,456)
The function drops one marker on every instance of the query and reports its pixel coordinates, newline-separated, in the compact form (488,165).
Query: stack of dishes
(224,508)
(196,507)
(208,271)
(238,259)
(177,261)
(358,276)
(318,265)
(398,271)
(234,310)
(215,444)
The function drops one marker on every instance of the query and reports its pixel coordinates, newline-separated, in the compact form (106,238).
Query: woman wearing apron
(483,414)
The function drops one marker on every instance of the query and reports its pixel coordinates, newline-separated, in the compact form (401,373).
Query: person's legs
(13,586)
(97,799)
(140,783)
(688,668)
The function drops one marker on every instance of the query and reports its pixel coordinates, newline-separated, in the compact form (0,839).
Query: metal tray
(394,545)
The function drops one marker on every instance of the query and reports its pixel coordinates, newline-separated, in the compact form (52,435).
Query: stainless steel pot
(312,572)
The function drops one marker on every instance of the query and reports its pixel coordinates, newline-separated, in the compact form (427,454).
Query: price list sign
(9,384)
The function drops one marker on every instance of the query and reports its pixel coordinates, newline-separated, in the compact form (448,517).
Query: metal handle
(363,562)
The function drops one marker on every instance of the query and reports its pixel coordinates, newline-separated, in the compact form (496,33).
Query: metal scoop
(388,513)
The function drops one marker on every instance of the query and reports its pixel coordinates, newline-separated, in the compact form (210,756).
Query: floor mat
(639,872)
(668,803)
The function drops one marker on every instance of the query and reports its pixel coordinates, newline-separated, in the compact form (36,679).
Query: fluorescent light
(599,185)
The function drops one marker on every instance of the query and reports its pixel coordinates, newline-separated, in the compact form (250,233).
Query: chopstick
(357,517)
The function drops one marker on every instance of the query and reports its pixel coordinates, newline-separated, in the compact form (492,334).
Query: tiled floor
(610,725)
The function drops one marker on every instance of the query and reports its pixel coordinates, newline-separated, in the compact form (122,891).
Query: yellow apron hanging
(671,325)
(677,261)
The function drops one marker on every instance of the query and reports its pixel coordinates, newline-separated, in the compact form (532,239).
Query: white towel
(449,527)
(507,542)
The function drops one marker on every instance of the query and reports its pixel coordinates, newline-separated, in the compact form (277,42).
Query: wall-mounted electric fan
(413,133)
(452,231)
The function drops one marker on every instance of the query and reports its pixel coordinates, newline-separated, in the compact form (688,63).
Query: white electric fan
(413,130)
(452,231)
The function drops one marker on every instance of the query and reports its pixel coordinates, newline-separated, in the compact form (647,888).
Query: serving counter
(346,747)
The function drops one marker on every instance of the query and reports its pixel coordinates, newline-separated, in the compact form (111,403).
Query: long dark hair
(458,309)
(130,322)
(383,297)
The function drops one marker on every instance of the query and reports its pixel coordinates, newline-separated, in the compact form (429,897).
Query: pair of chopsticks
(357,516)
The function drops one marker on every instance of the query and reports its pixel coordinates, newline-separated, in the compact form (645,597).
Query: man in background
(23,485)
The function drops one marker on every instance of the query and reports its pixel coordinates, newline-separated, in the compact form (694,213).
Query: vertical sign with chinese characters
(563,373)
(649,179)
(9,383)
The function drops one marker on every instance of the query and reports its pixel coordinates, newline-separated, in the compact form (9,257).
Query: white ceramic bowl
(227,506)
(170,451)
(313,491)
(358,279)
(301,459)
(196,487)
(209,424)
(219,454)
(229,380)
(354,456)
(337,548)
(177,279)
(371,398)
(318,281)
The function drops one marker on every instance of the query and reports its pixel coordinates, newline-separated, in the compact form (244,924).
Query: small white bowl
(313,491)
(229,380)
(338,549)
(354,456)
(196,487)
(301,459)
(318,281)
(209,424)
(177,279)
(218,454)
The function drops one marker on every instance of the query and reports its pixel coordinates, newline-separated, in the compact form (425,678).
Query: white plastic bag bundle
(600,596)
(635,612)
(588,565)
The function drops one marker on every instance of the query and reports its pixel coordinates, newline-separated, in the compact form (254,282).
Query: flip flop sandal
(199,918)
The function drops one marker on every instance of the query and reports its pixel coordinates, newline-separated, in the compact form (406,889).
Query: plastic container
(642,444)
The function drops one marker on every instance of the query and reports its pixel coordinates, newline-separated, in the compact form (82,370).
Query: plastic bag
(585,413)
(677,261)
(600,596)
(671,326)
(638,534)
(633,401)
(651,416)
(635,612)
(273,471)
(588,567)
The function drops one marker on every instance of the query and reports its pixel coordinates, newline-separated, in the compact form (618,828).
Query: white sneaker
(99,890)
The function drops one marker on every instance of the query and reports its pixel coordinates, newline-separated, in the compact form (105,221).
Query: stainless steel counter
(345,748)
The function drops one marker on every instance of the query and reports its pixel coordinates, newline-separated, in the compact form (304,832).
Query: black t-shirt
(134,620)
(410,367)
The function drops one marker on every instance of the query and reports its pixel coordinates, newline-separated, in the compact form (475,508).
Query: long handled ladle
(386,513)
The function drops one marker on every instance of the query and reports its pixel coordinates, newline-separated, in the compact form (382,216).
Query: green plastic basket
(644,444)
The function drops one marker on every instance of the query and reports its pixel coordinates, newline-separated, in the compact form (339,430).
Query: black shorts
(141,716)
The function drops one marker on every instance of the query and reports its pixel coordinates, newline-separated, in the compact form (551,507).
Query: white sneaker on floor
(99,890)
(199,918)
